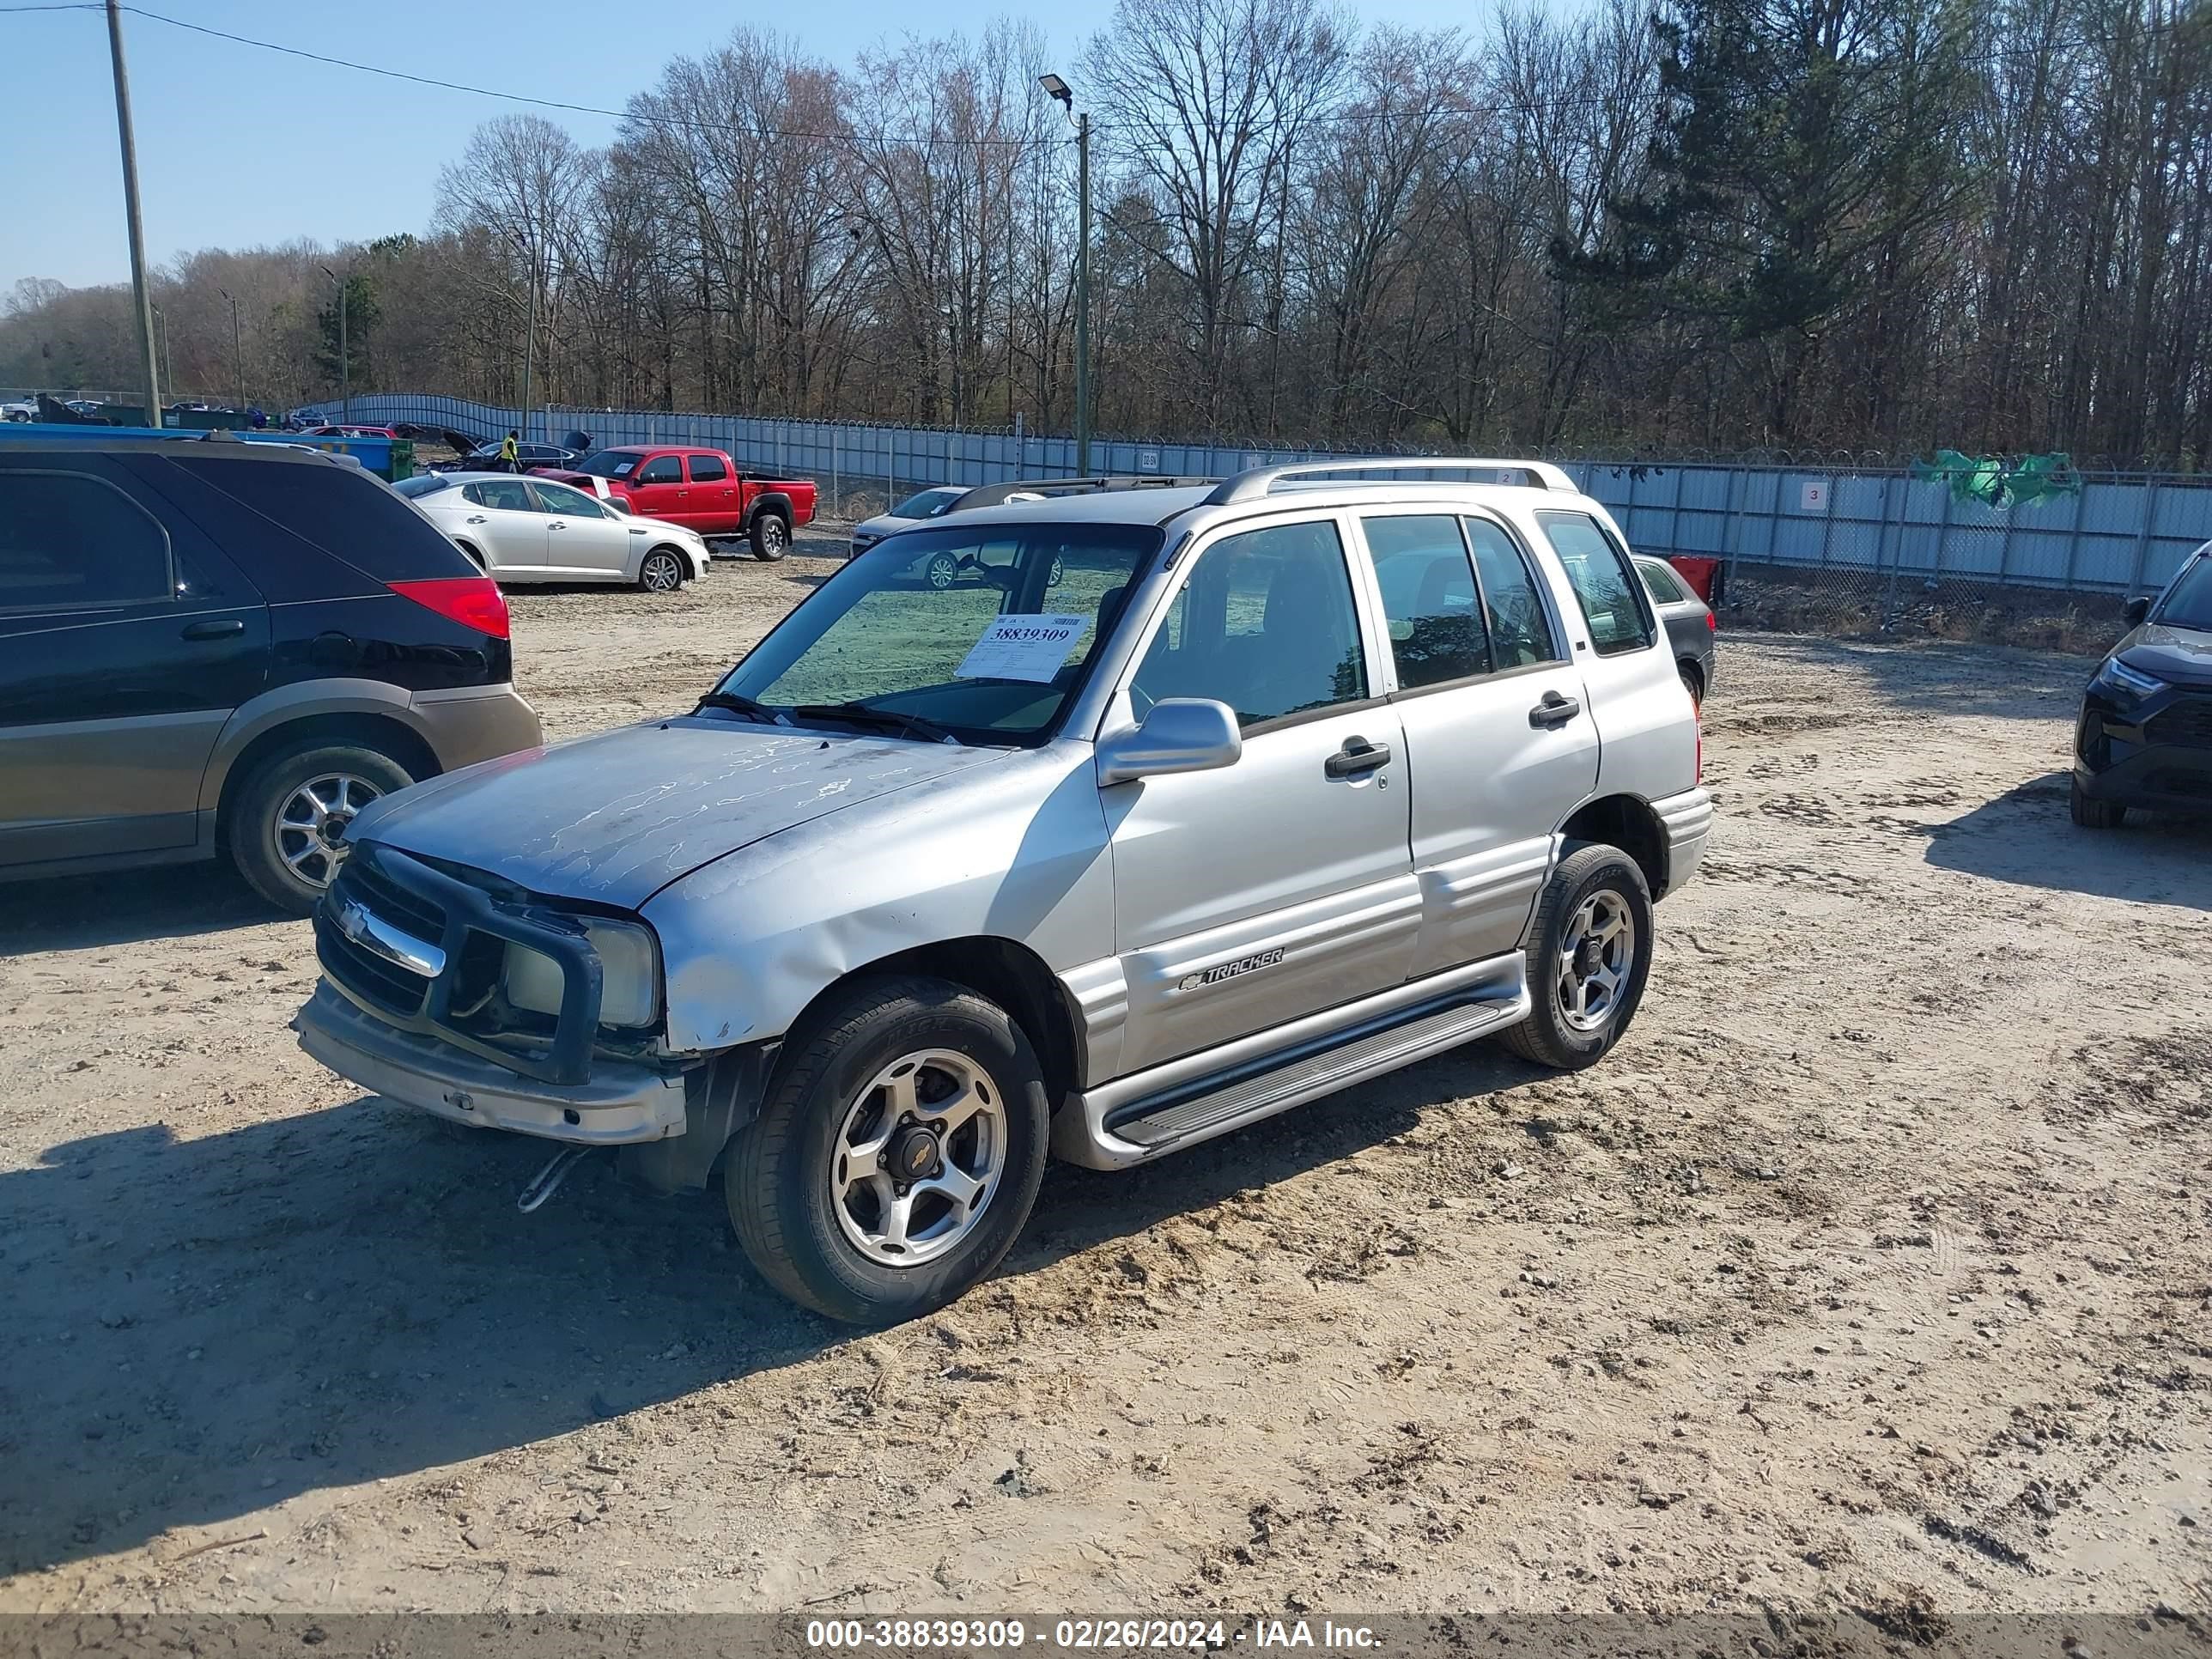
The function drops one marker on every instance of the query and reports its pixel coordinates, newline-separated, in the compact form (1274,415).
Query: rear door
(656,490)
(1501,746)
(716,507)
(507,517)
(126,641)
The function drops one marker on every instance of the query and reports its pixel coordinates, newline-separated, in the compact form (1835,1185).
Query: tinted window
(1266,625)
(1611,597)
(1428,595)
(1520,627)
(662,469)
(707,469)
(1660,581)
(559,498)
(67,540)
(341,509)
(928,504)
(509,494)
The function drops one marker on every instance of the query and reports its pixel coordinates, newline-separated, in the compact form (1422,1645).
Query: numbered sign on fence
(1812,495)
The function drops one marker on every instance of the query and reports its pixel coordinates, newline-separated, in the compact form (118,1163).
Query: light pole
(161,330)
(141,301)
(1056,87)
(345,356)
(237,348)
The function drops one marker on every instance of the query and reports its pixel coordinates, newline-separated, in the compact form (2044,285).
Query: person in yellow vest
(510,452)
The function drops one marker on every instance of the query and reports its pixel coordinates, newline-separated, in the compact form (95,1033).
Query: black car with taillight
(215,648)
(2145,736)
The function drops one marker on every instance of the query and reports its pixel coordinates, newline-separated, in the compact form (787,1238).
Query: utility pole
(529,348)
(161,333)
(237,348)
(142,300)
(1056,87)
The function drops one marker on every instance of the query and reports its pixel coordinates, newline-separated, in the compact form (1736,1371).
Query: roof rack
(996,495)
(1260,481)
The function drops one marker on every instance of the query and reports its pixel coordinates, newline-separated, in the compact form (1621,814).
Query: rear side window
(1520,627)
(1608,592)
(707,469)
(662,469)
(1436,632)
(70,542)
(1660,581)
(340,509)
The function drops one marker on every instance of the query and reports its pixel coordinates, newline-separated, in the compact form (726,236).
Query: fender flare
(284,704)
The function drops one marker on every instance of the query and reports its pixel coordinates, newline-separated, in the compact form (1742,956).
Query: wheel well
(378,731)
(1016,979)
(1625,822)
(470,551)
(1694,671)
(777,505)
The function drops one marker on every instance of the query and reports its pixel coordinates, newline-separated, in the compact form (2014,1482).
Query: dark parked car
(2145,736)
(223,648)
(484,458)
(1689,623)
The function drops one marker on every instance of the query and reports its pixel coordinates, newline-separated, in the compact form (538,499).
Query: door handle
(214,630)
(1356,757)
(1554,710)
(476,518)
(558,523)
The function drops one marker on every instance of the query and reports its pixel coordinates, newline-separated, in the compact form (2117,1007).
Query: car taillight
(1712,623)
(472,601)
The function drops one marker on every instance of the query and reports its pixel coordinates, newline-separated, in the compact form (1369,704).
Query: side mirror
(1181,734)
(2136,611)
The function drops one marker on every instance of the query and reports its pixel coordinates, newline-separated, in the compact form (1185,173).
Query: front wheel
(2094,814)
(771,536)
(898,1155)
(661,573)
(1588,956)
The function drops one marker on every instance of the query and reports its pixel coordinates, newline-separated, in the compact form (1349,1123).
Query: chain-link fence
(1838,544)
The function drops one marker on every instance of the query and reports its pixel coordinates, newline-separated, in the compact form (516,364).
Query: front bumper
(617,1104)
(2154,755)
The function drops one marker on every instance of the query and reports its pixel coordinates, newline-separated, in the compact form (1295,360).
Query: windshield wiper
(862,713)
(739,705)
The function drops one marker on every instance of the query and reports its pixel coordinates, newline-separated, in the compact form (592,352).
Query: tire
(1590,874)
(282,864)
(771,536)
(941,572)
(2094,814)
(1693,682)
(662,571)
(835,1255)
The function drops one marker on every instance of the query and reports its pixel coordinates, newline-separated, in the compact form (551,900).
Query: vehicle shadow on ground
(200,1329)
(2027,835)
(75,913)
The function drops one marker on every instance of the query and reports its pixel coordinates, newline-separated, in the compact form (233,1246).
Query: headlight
(2133,682)
(629,992)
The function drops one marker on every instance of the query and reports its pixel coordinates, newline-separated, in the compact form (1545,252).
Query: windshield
(2190,603)
(987,631)
(424,483)
(928,504)
(608,464)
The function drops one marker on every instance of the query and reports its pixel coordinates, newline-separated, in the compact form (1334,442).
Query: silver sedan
(533,530)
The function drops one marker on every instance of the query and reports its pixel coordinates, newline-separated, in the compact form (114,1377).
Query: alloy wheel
(313,818)
(1597,955)
(918,1157)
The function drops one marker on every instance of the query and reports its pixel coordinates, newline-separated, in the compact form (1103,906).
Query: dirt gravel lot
(1872,1271)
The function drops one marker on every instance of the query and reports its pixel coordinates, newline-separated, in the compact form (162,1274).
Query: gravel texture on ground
(1871,1271)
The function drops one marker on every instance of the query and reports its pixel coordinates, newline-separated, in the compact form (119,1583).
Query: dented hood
(618,817)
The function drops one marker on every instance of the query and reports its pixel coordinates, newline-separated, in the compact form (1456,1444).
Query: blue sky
(239,147)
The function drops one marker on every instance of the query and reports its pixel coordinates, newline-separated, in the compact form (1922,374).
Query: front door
(122,655)
(657,490)
(1496,720)
(582,538)
(1282,884)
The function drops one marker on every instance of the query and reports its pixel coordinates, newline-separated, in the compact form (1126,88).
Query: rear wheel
(771,536)
(2094,814)
(1588,956)
(662,572)
(1693,682)
(898,1155)
(283,824)
(941,571)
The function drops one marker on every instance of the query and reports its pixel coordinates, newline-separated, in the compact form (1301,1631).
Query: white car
(533,530)
(26,410)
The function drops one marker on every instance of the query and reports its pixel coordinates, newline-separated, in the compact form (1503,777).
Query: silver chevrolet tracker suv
(1184,805)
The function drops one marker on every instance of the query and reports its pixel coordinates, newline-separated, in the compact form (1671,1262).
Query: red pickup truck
(701,489)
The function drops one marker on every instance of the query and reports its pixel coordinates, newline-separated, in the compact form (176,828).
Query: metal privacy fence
(1876,539)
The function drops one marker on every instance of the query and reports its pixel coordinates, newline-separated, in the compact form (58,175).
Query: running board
(1145,1128)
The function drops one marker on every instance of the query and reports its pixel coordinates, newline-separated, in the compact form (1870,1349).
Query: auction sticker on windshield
(1019,647)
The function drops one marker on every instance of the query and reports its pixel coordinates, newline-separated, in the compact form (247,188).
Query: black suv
(2145,738)
(211,647)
